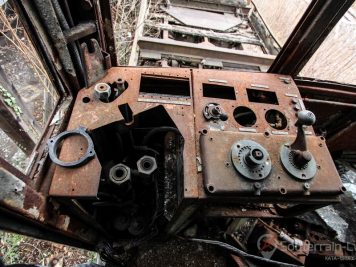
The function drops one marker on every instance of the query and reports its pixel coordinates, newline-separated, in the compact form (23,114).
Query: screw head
(257,185)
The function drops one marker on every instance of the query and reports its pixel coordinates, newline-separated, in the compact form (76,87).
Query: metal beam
(204,51)
(138,32)
(315,89)
(226,37)
(13,129)
(317,22)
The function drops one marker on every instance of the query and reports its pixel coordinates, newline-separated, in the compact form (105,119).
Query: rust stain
(189,119)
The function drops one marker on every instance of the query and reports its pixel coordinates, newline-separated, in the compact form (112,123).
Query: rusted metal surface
(51,23)
(31,206)
(11,169)
(79,31)
(198,32)
(17,195)
(331,103)
(84,181)
(240,212)
(37,34)
(92,113)
(107,25)
(216,143)
(344,139)
(201,51)
(325,90)
(215,155)
(94,61)
(205,154)
(273,238)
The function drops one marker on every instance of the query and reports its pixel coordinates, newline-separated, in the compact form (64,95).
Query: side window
(27,95)
(335,59)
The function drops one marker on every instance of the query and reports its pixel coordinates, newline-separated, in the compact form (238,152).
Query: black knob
(223,117)
(305,117)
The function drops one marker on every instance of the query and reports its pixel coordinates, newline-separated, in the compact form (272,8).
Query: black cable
(141,148)
(161,129)
(240,252)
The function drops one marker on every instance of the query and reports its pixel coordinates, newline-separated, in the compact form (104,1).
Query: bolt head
(146,165)
(257,185)
(120,174)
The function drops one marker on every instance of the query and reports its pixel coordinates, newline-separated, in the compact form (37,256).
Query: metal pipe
(72,46)
(333,103)
(52,25)
(79,31)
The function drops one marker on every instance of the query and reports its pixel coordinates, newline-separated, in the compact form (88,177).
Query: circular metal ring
(251,160)
(55,141)
(304,173)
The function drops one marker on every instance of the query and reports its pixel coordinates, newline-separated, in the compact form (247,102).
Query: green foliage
(9,245)
(10,101)
(16,249)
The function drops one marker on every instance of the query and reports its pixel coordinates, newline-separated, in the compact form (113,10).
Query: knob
(214,111)
(305,117)
(255,157)
(102,91)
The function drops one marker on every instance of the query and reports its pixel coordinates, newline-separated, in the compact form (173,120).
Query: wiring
(241,253)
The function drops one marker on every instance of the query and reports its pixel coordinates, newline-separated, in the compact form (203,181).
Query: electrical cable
(240,252)
(158,130)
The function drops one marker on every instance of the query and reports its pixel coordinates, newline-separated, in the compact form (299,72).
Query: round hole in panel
(276,119)
(244,116)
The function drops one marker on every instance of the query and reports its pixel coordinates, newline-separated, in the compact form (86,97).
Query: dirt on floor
(16,249)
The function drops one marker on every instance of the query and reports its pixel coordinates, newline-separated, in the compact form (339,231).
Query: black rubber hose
(157,130)
(141,148)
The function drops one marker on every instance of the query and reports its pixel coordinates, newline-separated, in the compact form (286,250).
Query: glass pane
(26,93)
(281,16)
(124,15)
(335,59)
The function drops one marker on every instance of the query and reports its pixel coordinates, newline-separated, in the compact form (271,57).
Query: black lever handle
(299,146)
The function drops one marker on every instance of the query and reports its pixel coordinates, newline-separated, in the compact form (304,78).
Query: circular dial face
(251,160)
(304,172)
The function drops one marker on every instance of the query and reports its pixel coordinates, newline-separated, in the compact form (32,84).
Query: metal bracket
(55,141)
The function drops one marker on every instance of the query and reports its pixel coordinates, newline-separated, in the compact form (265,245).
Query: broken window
(27,96)
(335,59)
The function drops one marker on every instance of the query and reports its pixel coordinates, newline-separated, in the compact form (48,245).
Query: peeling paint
(13,192)
(35,212)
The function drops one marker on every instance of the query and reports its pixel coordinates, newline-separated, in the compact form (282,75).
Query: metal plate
(257,169)
(219,172)
(203,19)
(305,173)
(84,181)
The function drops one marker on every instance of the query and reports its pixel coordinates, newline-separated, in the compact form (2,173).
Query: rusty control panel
(179,139)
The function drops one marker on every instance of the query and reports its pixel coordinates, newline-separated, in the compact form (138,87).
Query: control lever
(299,147)
(295,158)
(214,111)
